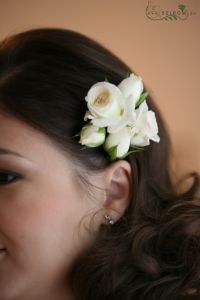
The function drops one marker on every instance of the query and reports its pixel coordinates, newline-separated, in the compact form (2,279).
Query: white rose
(105,103)
(92,136)
(145,127)
(117,144)
(133,86)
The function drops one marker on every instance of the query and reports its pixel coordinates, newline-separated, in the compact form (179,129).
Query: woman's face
(40,211)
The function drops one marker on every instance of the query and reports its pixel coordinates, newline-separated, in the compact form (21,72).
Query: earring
(110,220)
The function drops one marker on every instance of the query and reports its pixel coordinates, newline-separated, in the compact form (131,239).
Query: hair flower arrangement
(119,118)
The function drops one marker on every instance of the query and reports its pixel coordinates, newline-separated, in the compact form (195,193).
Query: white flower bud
(92,136)
(131,86)
(117,144)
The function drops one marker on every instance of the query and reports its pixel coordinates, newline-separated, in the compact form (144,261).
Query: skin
(40,213)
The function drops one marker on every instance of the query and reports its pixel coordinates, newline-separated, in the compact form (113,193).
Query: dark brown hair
(153,251)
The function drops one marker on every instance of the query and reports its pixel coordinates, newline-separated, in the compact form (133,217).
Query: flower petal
(104,122)
(140,140)
(92,136)
(121,139)
(105,100)
(131,86)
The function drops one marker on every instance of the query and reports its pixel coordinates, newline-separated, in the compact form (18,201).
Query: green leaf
(78,134)
(106,79)
(128,153)
(87,125)
(112,152)
(85,147)
(141,99)
(99,144)
(121,112)
(102,130)
(137,147)
(182,7)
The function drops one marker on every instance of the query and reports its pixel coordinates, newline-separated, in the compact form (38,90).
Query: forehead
(16,127)
(18,136)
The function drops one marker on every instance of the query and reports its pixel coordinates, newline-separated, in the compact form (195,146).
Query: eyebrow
(4,151)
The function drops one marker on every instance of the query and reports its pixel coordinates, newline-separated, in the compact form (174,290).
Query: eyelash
(17,177)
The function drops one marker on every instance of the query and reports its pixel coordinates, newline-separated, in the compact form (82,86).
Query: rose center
(102,99)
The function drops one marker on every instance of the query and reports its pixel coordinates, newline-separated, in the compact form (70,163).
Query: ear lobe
(118,182)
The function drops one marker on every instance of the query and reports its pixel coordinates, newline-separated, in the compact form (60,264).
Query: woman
(76,223)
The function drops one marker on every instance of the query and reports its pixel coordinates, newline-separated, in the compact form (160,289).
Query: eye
(7,177)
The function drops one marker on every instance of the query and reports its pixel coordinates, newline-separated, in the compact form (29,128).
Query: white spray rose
(122,112)
(111,106)
(133,86)
(117,144)
(128,116)
(105,103)
(92,136)
(145,127)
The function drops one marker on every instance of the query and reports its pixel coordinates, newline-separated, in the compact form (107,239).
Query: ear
(118,179)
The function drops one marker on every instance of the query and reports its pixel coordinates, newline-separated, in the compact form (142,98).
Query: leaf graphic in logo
(182,7)
(171,17)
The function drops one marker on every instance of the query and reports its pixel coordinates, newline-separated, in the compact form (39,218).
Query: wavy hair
(153,251)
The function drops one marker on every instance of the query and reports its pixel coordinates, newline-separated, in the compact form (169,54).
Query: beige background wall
(164,53)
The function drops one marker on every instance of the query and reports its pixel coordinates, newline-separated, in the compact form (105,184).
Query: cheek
(39,231)
(39,225)
(41,222)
